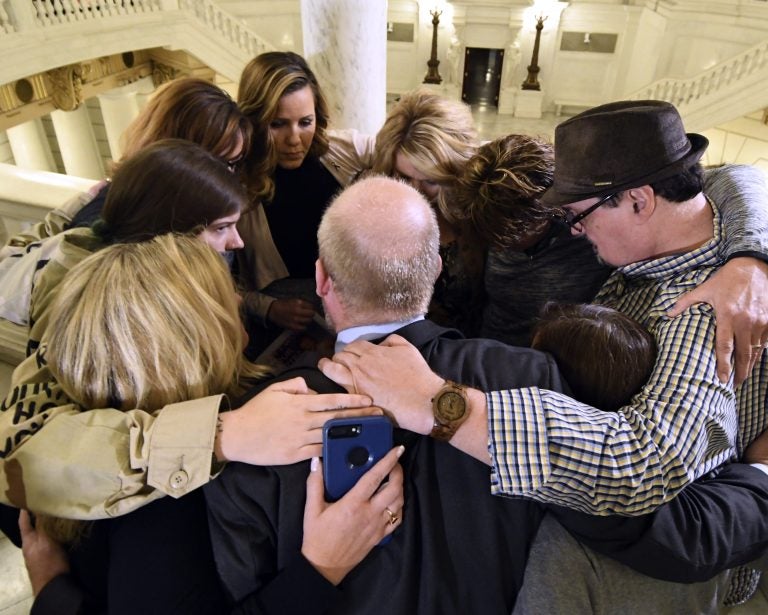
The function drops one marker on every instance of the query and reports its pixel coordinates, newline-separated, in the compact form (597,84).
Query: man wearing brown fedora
(628,178)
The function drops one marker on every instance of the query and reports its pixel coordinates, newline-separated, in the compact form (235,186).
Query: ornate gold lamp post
(531,81)
(433,76)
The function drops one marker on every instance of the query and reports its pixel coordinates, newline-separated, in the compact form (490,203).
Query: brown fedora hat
(619,146)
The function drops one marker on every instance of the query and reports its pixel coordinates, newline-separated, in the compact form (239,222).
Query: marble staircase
(706,99)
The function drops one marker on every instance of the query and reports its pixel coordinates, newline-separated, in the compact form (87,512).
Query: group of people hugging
(567,338)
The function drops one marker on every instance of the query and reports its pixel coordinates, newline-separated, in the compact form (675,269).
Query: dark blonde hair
(499,189)
(605,356)
(192,109)
(143,325)
(437,135)
(264,81)
(169,186)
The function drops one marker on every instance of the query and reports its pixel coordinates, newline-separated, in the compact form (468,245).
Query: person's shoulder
(74,245)
(80,236)
(312,376)
(490,364)
(349,150)
(349,136)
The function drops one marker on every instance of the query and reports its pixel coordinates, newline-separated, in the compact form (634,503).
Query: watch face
(451,406)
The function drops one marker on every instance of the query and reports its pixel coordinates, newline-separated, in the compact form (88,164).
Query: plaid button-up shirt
(682,424)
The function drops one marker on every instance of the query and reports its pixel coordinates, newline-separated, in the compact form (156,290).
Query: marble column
(119,107)
(77,142)
(30,146)
(345,43)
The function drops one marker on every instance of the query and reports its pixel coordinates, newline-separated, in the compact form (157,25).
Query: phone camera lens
(358,456)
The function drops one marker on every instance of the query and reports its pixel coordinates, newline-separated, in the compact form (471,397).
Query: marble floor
(15,592)
(491,124)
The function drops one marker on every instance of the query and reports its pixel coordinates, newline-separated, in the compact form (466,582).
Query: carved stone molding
(67,86)
(162,73)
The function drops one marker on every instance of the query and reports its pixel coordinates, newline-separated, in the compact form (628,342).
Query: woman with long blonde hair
(170,293)
(140,324)
(427,140)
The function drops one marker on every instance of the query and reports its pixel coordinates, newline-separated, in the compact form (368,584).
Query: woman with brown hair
(171,185)
(195,110)
(294,167)
(531,257)
(188,108)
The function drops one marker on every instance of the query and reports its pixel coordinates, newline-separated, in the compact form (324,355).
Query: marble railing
(52,12)
(27,196)
(729,89)
(226,26)
(38,35)
(19,16)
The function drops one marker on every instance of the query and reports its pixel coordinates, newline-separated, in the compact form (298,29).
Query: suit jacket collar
(425,332)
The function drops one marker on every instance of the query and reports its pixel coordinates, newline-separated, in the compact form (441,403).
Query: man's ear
(323,282)
(642,201)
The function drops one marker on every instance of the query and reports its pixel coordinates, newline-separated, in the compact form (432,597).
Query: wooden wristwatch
(450,407)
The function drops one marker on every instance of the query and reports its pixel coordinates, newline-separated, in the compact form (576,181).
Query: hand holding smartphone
(339,535)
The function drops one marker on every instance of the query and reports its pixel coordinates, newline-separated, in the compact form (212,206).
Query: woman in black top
(293,170)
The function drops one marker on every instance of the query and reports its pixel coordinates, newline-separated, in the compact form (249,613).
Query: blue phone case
(350,447)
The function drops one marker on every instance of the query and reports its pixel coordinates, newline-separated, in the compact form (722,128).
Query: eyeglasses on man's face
(572,219)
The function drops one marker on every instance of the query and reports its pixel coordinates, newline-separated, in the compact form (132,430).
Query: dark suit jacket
(461,550)
(713,525)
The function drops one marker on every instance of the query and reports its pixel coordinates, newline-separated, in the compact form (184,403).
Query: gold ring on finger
(393,518)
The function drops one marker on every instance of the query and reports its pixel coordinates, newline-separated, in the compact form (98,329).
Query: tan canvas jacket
(95,463)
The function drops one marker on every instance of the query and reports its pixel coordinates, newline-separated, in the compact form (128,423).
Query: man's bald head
(379,243)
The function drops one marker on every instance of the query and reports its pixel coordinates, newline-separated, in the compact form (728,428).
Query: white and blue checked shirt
(682,424)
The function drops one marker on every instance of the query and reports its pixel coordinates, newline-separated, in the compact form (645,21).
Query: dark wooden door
(482,76)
